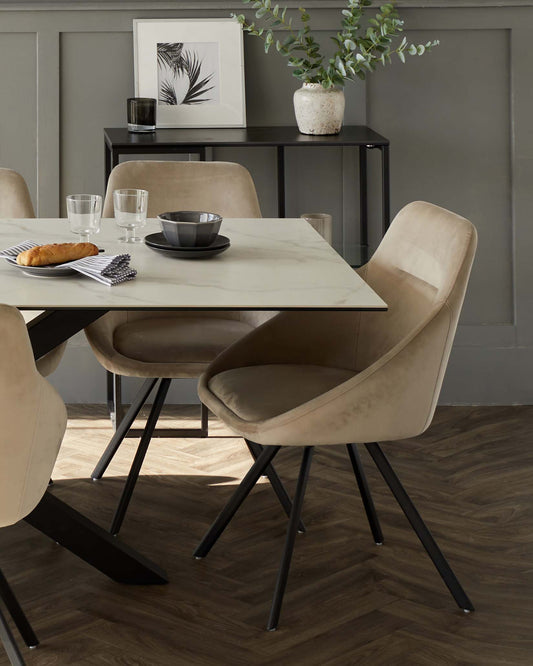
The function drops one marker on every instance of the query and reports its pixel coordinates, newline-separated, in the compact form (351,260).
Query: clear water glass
(131,207)
(84,212)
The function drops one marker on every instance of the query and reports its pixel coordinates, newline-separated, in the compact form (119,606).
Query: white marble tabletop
(271,264)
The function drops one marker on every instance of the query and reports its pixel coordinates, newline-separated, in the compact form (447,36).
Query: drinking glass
(130,212)
(321,222)
(84,212)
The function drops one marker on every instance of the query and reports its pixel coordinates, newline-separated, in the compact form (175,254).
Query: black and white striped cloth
(109,270)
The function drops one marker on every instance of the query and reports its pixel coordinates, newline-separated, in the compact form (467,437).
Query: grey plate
(44,271)
(158,241)
(201,253)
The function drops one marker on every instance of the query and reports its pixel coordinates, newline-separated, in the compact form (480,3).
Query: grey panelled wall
(458,120)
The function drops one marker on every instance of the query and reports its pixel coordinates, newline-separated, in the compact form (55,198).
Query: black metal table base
(53,327)
(8,641)
(93,544)
(16,612)
(58,520)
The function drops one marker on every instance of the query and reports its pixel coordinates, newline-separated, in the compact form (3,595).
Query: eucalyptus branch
(360,48)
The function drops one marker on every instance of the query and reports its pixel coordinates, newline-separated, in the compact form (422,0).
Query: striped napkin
(109,270)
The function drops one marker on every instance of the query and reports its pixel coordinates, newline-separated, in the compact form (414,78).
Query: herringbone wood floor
(348,601)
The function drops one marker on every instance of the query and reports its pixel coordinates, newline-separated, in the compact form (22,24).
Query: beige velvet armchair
(32,423)
(319,378)
(169,345)
(15,203)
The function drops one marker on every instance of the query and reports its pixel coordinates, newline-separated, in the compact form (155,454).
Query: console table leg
(107,162)
(363,204)
(385,184)
(281,181)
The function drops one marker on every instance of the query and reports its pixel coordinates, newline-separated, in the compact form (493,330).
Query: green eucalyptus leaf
(339,65)
(360,44)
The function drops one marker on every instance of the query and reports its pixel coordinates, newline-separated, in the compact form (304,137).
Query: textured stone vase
(317,110)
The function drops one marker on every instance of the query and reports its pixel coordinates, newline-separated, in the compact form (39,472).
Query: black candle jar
(141,114)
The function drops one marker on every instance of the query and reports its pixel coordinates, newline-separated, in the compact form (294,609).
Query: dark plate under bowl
(158,243)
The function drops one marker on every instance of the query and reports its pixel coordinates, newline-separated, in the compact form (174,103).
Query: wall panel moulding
(202,5)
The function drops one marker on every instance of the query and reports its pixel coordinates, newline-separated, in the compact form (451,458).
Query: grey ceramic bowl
(190,228)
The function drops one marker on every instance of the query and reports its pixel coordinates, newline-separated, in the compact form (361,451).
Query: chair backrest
(219,187)
(421,266)
(15,200)
(421,270)
(32,422)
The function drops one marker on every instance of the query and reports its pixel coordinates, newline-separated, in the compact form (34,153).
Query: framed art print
(194,68)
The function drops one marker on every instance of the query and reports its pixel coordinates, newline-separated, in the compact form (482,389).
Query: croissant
(56,253)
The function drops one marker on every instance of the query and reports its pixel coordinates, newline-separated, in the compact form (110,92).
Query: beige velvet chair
(15,203)
(313,379)
(33,419)
(169,344)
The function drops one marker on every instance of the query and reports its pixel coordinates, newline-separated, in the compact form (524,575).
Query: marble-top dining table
(272,264)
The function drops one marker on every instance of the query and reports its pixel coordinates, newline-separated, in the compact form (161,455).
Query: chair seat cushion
(259,392)
(177,339)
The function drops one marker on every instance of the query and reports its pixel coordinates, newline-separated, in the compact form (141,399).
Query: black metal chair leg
(123,428)
(110,396)
(368,503)
(291,536)
(275,482)
(204,427)
(135,469)
(7,640)
(238,497)
(16,612)
(420,528)
(114,398)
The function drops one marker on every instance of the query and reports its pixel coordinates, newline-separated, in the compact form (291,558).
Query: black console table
(118,141)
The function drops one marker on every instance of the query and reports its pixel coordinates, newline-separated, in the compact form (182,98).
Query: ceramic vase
(317,110)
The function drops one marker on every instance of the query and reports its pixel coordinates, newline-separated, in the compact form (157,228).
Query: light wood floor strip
(347,602)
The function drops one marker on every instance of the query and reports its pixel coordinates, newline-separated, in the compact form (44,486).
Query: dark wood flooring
(348,601)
